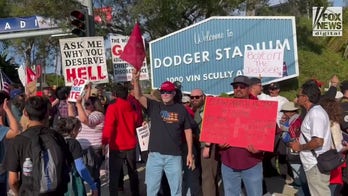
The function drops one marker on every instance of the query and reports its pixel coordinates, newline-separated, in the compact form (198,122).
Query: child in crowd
(69,127)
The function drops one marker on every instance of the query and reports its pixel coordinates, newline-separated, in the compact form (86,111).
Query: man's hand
(190,162)
(5,106)
(251,149)
(295,146)
(206,152)
(135,75)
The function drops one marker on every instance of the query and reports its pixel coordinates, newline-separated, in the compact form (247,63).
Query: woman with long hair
(334,111)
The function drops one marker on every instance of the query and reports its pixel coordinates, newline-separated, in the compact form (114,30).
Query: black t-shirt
(168,123)
(74,148)
(15,157)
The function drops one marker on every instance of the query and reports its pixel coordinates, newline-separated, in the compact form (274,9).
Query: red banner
(239,122)
(31,76)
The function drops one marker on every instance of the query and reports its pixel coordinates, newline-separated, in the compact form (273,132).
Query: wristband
(207,145)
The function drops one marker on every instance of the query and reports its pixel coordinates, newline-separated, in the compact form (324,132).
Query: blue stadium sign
(25,24)
(209,54)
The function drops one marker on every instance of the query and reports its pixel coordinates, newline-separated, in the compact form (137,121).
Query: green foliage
(54,79)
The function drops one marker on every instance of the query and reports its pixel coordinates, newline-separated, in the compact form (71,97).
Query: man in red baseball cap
(170,121)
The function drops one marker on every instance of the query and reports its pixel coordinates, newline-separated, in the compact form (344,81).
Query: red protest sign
(239,122)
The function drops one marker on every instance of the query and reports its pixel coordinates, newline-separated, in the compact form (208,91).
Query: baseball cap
(254,81)
(344,86)
(274,86)
(167,86)
(241,79)
(289,106)
(15,92)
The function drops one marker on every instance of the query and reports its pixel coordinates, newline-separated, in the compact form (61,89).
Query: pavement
(276,185)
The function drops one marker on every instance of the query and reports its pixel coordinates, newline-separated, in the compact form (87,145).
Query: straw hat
(289,106)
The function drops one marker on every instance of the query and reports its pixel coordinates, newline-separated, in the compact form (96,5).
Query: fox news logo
(327,21)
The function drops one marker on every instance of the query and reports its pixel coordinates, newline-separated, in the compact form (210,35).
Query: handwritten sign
(122,69)
(77,89)
(84,58)
(239,122)
(143,133)
(265,63)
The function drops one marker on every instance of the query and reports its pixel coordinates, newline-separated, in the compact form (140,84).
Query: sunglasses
(166,92)
(241,86)
(196,97)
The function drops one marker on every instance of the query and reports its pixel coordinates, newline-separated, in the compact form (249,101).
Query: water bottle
(27,167)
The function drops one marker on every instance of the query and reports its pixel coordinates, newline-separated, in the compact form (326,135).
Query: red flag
(134,51)
(30,74)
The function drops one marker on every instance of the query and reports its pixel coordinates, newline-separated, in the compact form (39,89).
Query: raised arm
(137,91)
(14,126)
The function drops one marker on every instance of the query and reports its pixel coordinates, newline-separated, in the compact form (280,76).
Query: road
(275,185)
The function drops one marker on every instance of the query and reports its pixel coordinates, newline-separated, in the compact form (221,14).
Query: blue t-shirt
(3,132)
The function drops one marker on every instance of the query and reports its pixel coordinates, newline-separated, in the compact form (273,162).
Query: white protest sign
(143,133)
(264,63)
(122,69)
(77,89)
(84,58)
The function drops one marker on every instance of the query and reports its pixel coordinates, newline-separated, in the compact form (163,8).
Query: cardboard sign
(143,133)
(84,58)
(239,122)
(264,63)
(122,69)
(77,89)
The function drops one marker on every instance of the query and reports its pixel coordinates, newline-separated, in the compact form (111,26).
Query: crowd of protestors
(97,128)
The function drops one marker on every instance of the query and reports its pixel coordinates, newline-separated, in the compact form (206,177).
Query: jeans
(171,165)
(252,179)
(116,160)
(300,179)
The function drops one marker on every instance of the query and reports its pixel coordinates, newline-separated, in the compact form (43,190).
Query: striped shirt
(92,135)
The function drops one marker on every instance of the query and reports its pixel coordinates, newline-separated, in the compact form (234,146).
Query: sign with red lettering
(122,69)
(264,63)
(77,89)
(84,58)
(239,122)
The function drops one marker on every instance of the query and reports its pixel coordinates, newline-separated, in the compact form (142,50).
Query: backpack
(49,163)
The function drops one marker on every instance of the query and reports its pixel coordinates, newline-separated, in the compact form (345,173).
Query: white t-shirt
(315,124)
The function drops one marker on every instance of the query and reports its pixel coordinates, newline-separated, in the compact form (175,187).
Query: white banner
(84,58)
(264,63)
(122,69)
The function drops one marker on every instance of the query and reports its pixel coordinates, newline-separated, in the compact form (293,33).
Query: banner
(211,53)
(143,133)
(239,122)
(264,63)
(84,58)
(122,69)
(77,89)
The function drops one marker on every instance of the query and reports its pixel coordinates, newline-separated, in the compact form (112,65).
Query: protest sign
(239,122)
(264,63)
(122,69)
(77,89)
(143,133)
(84,58)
